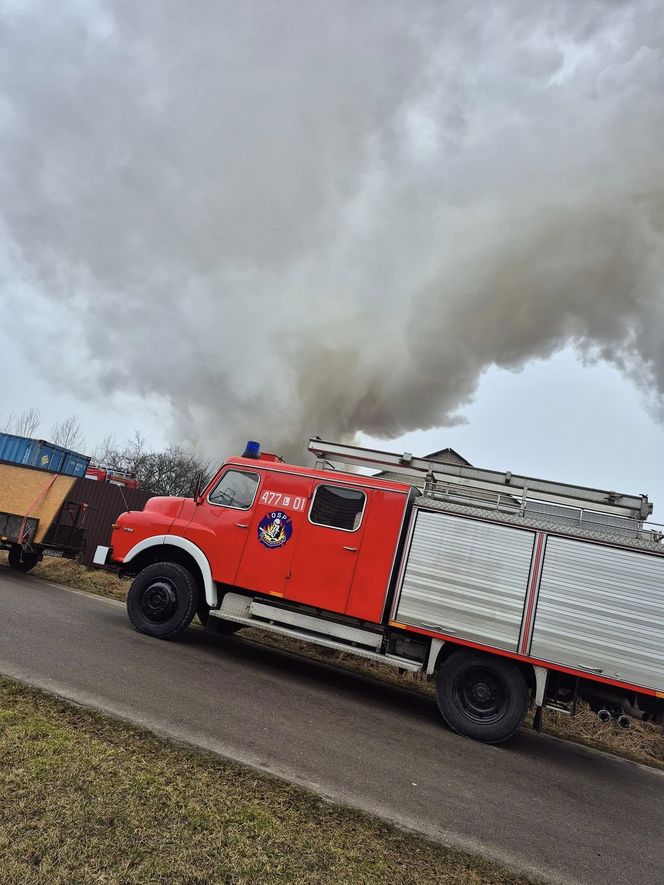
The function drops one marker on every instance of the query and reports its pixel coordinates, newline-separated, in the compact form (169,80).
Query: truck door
(326,554)
(279,514)
(220,525)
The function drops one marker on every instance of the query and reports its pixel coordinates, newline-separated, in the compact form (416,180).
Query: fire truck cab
(494,596)
(292,533)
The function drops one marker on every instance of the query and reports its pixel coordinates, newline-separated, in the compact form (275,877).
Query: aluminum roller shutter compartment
(602,608)
(466,577)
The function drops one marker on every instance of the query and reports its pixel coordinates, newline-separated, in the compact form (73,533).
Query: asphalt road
(543,806)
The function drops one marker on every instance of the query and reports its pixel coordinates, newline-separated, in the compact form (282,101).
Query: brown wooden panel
(31,492)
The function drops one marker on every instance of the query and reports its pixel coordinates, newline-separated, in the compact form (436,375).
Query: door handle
(352,549)
(242,525)
(590,669)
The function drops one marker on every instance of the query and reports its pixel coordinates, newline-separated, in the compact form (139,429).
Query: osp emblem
(275,529)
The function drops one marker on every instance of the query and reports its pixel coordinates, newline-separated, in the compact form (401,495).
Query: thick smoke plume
(289,218)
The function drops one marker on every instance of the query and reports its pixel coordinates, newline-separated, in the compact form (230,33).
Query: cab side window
(337,507)
(236,488)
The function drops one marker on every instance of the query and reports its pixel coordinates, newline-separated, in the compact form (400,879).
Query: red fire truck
(512,591)
(100,473)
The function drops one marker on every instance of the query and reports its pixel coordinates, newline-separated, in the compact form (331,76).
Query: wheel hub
(480,695)
(481,692)
(159,601)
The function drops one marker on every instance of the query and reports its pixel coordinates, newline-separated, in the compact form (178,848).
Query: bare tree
(173,471)
(22,423)
(67,432)
(103,453)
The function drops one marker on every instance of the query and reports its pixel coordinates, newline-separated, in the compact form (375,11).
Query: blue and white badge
(275,529)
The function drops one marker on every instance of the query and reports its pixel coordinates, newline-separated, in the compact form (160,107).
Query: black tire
(162,600)
(482,696)
(20,560)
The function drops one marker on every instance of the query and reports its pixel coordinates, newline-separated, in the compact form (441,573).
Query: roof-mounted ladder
(631,506)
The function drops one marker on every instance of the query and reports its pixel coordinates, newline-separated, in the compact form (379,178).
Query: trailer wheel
(20,560)
(482,696)
(162,600)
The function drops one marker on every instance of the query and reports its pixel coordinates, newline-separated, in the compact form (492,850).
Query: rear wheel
(482,696)
(20,560)
(163,600)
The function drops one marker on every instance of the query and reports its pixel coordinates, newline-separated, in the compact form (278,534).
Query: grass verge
(643,743)
(84,798)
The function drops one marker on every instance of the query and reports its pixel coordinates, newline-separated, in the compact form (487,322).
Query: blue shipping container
(42,454)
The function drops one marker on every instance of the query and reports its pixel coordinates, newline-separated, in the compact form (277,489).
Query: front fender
(188,546)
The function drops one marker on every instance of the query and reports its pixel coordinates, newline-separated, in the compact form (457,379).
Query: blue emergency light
(252,449)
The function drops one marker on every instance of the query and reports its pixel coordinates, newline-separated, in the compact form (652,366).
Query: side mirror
(198,488)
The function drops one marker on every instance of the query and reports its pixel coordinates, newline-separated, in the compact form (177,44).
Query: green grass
(84,799)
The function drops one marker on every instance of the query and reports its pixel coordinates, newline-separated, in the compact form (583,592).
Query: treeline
(171,471)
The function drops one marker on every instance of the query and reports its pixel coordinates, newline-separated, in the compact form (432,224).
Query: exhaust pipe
(624,721)
(605,716)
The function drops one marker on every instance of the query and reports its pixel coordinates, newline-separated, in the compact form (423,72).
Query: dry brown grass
(70,573)
(643,743)
(87,799)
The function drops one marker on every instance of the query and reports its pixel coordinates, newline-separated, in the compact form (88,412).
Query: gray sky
(222,220)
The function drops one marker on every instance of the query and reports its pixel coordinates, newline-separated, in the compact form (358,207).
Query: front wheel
(20,560)
(482,696)
(162,600)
